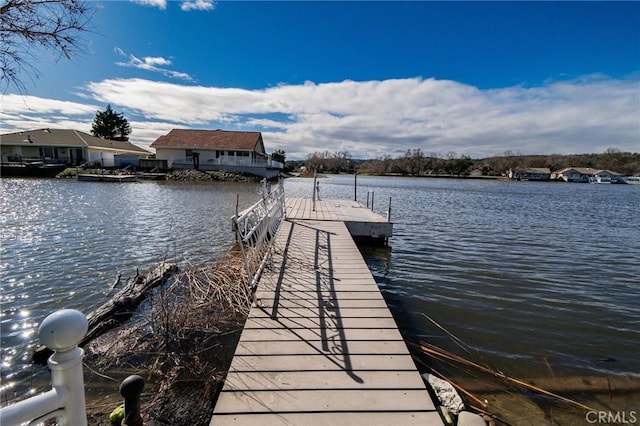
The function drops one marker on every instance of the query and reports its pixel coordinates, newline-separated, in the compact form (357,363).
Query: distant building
(228,151)
(530,173)
(67,147)
(586,174)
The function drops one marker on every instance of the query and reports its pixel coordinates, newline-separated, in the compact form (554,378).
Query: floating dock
(321,347)
(360,221)
(86,177)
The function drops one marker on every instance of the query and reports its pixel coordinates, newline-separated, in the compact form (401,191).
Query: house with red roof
(222,150)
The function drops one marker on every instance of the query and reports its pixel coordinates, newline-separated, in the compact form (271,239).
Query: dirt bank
(180,340)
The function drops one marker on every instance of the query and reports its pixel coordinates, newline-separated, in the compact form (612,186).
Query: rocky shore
(201,176)
(176,175)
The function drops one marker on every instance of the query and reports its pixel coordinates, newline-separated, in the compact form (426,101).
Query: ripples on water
(65,242)
(526,273)
(521,271)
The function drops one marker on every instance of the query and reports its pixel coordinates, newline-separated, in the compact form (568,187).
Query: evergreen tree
(112,125)
(279,155)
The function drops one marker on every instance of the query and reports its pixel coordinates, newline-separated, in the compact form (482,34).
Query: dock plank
(345,362)
(330,323)
(334,400)
(289,311)
(314,347)
(260,334)
(329,418)
(310,380)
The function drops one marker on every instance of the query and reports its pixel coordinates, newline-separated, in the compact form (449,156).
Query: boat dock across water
(321,346)
(88,177)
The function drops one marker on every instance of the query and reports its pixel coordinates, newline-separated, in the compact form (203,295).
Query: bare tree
(27,25)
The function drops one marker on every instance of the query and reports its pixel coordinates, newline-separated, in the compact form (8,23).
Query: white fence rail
(256,226)
(60,332)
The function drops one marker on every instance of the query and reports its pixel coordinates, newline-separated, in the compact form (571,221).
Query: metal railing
(19,159)
(255,228)
(61,332)
(371,194)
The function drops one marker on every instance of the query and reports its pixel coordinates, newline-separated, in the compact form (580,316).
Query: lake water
(532,276)
(529,274)
(64,243)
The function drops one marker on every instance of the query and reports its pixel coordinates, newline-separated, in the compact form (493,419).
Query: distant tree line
(612,159)
(415,162)
(327,162)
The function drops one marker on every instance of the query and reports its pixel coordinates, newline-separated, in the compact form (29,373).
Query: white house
(530,173)
(66,147)
(229,151)
(586,174)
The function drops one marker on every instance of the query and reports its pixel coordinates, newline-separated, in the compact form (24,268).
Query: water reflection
(63,243)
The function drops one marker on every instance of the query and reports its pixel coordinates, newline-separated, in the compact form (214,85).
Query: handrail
(61,331)
(255,228)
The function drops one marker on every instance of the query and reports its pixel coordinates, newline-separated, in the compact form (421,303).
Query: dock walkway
(360,221)
(321,347)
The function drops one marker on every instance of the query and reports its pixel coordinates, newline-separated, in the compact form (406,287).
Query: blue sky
(371,78)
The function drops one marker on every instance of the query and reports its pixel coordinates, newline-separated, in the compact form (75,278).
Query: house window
(189,153)
(48,152)
(217,154)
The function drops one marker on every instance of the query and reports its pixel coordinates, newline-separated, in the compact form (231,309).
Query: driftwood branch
(120,307)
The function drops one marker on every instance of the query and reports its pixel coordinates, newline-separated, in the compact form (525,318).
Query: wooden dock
(360,221)
(321,347)
(88,177)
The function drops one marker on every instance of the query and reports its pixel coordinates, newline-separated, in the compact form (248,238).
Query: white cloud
(161,4)
(33,105)
(150,63)
(197,5)
(145,132)
(375,118)
(31,112)
(186,5)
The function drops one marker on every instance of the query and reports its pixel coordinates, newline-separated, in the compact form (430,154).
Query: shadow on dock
(331,329)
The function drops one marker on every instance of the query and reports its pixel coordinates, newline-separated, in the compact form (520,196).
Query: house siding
(229,151)
(530,174)
(106,159)
(584,175)
(209,159)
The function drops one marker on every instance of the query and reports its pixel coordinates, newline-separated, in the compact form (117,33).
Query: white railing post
(61,332)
